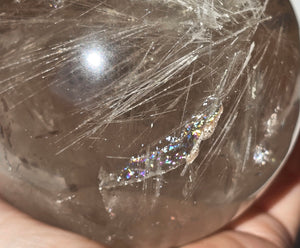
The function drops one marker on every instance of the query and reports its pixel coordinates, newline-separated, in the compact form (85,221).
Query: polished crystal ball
(144,123)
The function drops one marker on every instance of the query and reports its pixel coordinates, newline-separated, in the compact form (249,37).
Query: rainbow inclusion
(169,154)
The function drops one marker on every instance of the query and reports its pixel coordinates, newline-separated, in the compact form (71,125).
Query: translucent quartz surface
(144,123)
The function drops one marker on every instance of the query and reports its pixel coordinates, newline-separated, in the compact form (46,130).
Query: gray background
(296,4)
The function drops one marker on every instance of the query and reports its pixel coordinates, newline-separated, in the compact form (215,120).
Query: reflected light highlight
(94,60)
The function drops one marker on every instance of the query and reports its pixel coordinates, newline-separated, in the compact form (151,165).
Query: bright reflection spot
(94,60)
(261,155)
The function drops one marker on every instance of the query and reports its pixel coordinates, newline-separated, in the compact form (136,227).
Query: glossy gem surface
(144,123)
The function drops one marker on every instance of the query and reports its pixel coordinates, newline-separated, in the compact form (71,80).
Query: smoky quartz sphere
(144,123)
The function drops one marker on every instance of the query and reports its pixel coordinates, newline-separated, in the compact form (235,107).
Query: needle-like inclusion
(168,155)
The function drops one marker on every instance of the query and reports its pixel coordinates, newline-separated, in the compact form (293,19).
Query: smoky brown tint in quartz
(144,123)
